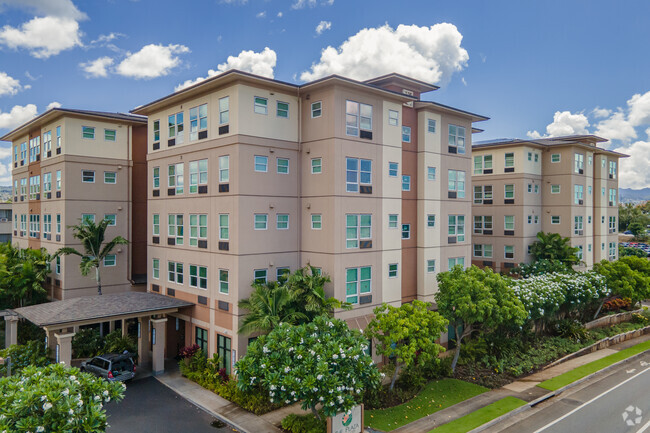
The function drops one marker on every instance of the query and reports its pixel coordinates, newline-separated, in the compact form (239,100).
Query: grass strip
(480,417)
(594,366)
(437,395)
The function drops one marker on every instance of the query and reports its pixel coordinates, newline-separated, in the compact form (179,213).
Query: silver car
(113,366)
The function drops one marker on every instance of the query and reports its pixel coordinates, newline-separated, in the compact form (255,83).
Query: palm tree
(307,288)
(552,246)
(91,236)
(268,306)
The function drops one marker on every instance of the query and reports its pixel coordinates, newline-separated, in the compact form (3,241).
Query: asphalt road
(150,407)
(616,402)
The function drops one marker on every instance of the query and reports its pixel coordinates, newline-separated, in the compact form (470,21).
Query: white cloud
(633,171)
(151,61)
(639,113)
(17,116)
(616,127)
(53,104)
(300,4)
(9,85)
(261,15)
(564,123)
(322,26)
(279,15)
(430,54)
(600,113)
(97,68)
(43,36)
(234,2)
(5,152)
(328,2)
(57,8)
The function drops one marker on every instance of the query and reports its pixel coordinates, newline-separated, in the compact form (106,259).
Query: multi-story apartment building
(566,185)
(5,222)
(251,177)
(74,164)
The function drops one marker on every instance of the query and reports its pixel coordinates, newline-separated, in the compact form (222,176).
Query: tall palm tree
(91,236)
(268,306)
(552,246)
(307,288)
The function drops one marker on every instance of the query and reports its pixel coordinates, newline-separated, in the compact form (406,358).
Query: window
(88,176)
(224,110)
(224,226)
(579,162)
(259,276)
(357,226)
(508,252)
(316,166)
(199,276)
(578,191)
(58,265)
(156,130)
(156,224)
(282,274)
(357,282)
(202,338)
(357,117)
(530,156)
(603,191)
(530,219)
(482,163)
(109,134)
(58,136)
(155,268)
(23,153)
(156,177)
(393,117)
(58,223)
(88,132)
(316,221)
(612,224)
(47,224)
(431,173)
(483,251)
(23,186)
(555,157)
(482,193)
(509,192)
(176,127)
(358,172)
(536,157)
(431,220)
(224,352)
(224,169)
(283,110)
(23,223)
(198,174)
(612,197)
(110,177)
(175,177)
(175,272)
(457,227)
(34,225)
(457,138)
(406,183)
(602,246)
(457,182)
(555,219)
(261,220)
(283,165)
(482,223)
(577,225)
(198,120)
(406,134)
(509,222)
(393,168)
(392,270)
(589,189)
(282,221)
(16,154)
(431,266)
(589,219)
(589,247)
(110,260)
(262,164)
(47,142)
(612,250)
(591,158)
(223,281)
(175,228)
(198,228)
(406,231)
(431,126)
(555,189)
(612,169)
(111,218)
(392,221)
(316,109)
(34,187)
(509,160)
(453,261)
(261,105)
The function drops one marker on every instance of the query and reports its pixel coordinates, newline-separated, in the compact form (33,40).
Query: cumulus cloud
(58,8)
(633,171)
(151,61)
(430,54)
(234,2)
(639,109)
(279,14)
(616,127)
(564,123)
(18,115)
(301,4)
(53,104)
(97,68)
(9,85)
(322,26)
(261,15)
(599,113)
(43,37)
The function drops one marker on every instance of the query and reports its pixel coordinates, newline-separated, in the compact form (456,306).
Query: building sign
(347,422)
(409,93)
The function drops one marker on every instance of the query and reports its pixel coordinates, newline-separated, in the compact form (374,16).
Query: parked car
(113,366)
(627,232)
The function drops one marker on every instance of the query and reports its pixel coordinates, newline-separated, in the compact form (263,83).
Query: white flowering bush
(55,399)
(321,362)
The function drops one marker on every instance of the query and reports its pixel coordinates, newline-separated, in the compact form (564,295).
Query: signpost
(346,422)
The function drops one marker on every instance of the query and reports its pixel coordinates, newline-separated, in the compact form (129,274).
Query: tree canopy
(22,274)
(553,247)
(627,277)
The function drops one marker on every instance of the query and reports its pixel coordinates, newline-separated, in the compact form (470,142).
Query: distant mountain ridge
(629,194)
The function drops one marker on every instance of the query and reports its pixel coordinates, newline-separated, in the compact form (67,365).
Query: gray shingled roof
(98,307)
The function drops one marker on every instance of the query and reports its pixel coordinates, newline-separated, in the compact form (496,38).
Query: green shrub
(27,332)
(639,318)
(114,342)
(304,424)
(23,355)
(411,378)
(571,329)
(86,343)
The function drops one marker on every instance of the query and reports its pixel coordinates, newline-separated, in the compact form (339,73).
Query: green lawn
(480,417)
(436,396)
(587,369)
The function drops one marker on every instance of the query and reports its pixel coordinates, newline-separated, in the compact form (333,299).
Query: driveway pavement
(150,407)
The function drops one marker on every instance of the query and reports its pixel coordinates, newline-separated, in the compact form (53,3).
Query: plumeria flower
(47,406)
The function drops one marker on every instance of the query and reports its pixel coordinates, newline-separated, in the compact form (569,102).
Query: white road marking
(630,371)
(594,399)
(644,428)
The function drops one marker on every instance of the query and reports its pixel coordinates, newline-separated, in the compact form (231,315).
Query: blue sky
(535,68)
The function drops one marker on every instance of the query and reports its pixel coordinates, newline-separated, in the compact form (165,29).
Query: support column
(159,340)
(11,330)
(51,339)
(64,342)
(124,330)
(111,326)
(143,340)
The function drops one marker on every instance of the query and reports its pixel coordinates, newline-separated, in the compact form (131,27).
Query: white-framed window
(509,252)
(555,157)
(110,134)
(457,227)
(175,227)
(282,273)
(612,197)
(58,136)
(431,220)
(155,268)
(481,193)
(406,182)
(110,177)
(589,247)
(483,250)
(358,172)
(482,222)
(509,191)
(509,222)
(224,226)
(175,177)
(358,282)
(156,130)
(536,157)
(406,231)
(393,221)
(481,163)
(393,169)
(57,269)
(577,225)
(23,186)
(316,165)
(453,261)
(393,117)
(88,176)
(555,189)
(602,190)
(612,169)
(589,189)
(612,224)
(357,117)
(578,191)
(260,276)
(155,228)
(282,221)
(316,221)
(111,218)
(175,272)
(47,224)
(58,223)
(457,182)
(261,163)
(34,187)
(198,175)
(176,127)
(509,160)
(261,221)
(199,277)
(431,266)
(156,178)
(357,227)
(612,250)
(282,110)
(224,169)
(392,270)
(457,138)
(261,105)
(88,132)
(406,134)
(316,109)
(431,126)
(555,219)
(198,228)
(283,165)
(431,173)
(224,110)
(198,121)
(530,156)
(110,260)
(223,281)
(34,225)
(47,143)
(602,219)
(579,162)
(589,219)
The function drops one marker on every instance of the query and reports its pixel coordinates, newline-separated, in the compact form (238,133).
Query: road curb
(555,393)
